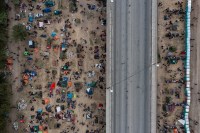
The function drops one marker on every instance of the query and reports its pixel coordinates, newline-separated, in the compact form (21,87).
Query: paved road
(195,69)
(131,53)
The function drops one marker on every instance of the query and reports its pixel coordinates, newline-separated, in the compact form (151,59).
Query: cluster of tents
(187,66)
(28,75)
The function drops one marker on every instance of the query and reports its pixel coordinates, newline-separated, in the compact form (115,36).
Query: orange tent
(25,77)
(45,131)
(41,127)
(35,50)
(46,100)
(175,130)
(9,61)
(56,38)
(69,83)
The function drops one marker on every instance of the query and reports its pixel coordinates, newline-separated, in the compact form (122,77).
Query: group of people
(69,94)
(171,81)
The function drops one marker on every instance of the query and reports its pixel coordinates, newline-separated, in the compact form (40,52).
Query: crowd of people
(62,63)
(171,71)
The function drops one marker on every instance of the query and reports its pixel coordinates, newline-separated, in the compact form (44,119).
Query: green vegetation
(16,3)
(19,32)
(172,49)
(4,85)
(73,6)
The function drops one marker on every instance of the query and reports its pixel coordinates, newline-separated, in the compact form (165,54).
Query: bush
(16,2)
(19,32)
(172,49)
(73,6)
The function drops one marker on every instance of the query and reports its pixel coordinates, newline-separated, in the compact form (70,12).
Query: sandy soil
(88,22)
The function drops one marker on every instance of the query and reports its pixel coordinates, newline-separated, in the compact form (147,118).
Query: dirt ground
(88,34)
(170,75)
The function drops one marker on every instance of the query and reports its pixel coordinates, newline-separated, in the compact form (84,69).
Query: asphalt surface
(131,66)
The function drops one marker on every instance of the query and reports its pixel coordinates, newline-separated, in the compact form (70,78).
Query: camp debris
(15,126)
(21,104)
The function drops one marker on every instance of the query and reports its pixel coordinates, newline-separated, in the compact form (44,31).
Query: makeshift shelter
(41,24)
(46,101)
(30,17)
(56,38)
(39,111)
(92,84)
(69,95)
(64,82)
(53,34)
(58,109)
(48,108)
(26,53)
(31,44)
(63,46)
(57,12)
(53,85)
(46,10)
(36,128)
(89,91)
(69,84)
(49,3)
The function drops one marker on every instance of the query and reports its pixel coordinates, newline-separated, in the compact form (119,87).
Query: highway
(130,69)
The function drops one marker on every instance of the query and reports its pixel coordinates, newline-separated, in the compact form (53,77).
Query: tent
(26,53)
(53,85)
(69,95)
(46,10)
(49,3)
(64,82)
(91,84)
(46,101)
(53,34)
(57,12)
(39,111)
(58,109)
(89,91)
(69,84)
(36,128)
(31,44)
(41,24)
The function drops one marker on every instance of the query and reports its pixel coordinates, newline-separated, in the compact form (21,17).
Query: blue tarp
(53,34)
(30,18)
(89,91)
(46,10)
(70,95)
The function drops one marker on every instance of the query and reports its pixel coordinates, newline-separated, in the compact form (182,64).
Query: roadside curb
(154,68)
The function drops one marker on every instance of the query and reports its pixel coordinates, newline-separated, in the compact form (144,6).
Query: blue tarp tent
(46,10)
(53,34)
(69,95)
(89,91)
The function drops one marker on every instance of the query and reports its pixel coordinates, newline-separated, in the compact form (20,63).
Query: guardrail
(187,66)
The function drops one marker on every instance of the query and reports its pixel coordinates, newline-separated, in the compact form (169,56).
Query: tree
(19,32)
(3,18)
(16,2)
(172,49)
